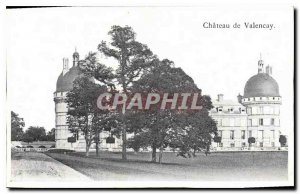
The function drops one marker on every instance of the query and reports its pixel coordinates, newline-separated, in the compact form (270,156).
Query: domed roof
(261,85)
(65,82)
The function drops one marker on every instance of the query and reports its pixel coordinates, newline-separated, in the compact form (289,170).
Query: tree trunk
(161,149)
(153,152)
(124,155)
(97,148)
(97,143)
(87,148)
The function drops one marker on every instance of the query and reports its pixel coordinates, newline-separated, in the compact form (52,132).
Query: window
(232,145)
(271,110)
(261,122)
(249,110)
(231,134)
(231,122)
(272,121)
(249,122)
(250,133)
(273,134)
(243,134)
(221,144)
(260,134)
(254,110)
(220,133)
(220,123)
(261,110)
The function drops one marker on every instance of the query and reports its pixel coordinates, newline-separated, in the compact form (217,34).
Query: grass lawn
(235,166)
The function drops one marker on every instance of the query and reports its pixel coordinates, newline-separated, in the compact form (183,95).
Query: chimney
(269,70)
(65,65)
(239,98)
(260,66)
(220,97)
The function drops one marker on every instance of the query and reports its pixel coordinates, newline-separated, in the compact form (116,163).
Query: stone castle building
(64,84)
(255,114)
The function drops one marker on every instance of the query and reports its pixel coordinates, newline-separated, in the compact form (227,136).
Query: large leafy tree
(185,129)
(36,133)
(133,59)
(17,125)
(51,135)
(83,115)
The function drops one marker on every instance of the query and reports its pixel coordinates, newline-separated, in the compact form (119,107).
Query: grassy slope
(216,166)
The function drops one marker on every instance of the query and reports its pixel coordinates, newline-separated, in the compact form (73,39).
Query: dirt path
(38,167)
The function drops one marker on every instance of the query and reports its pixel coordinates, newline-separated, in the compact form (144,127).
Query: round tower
(63,85)
(262,101)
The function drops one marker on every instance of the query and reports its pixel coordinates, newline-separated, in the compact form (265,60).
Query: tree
(199,129)
(83,115)
(51,135)
(184,129)
(251,140)
(17,125)
(218,139)
(27,138)
(133,59)
(282,140)
(137,142)
(36,133)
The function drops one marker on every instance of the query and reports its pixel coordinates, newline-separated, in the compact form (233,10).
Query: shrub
(217,139)
(60,151)
(29,146)
(42,146)
(282,140)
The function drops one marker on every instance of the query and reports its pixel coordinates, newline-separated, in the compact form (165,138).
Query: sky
(219,60)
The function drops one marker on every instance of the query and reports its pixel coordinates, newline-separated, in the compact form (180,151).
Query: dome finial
(260,64)
(259,55)
(75,57)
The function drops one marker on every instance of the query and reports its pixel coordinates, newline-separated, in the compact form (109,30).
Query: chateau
(255,114)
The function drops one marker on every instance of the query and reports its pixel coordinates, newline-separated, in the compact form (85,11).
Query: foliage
(133,59)
(35,133)
(51,135)
(217,139)
(17,125)
(251,140)
(137,142)
(27,138)
(282,140)
(83,114)
(60,151)
(186,130)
